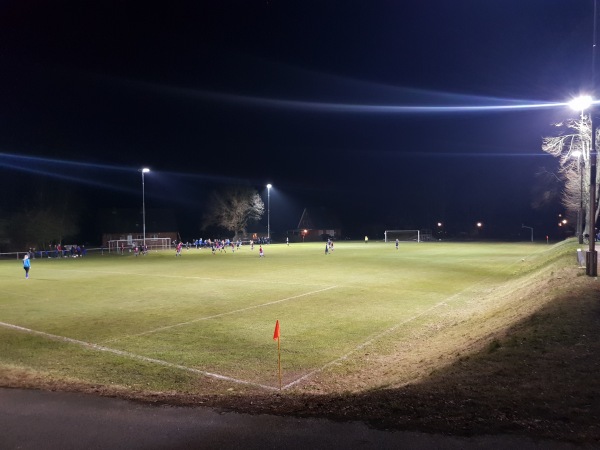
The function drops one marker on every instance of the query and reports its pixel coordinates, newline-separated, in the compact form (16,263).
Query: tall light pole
(591,264)
(269,186)
(591,259)
(530,228)
(580,104)
(577,154)
(144,171)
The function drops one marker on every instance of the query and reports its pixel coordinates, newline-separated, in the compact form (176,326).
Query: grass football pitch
(161,322)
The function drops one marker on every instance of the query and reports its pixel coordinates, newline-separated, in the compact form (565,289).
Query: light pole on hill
(269,186)
(591,260)
(580,104)
(144,171)
(578,154)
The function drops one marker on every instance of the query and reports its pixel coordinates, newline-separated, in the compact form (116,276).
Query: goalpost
(402,235)
(126,245)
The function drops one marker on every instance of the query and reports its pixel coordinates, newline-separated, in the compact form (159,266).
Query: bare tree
(232,209)
(572,148)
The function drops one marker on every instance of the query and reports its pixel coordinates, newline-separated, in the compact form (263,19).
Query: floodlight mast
(591,260)
(530,228)
(144,170)
(269,186)
(578,154)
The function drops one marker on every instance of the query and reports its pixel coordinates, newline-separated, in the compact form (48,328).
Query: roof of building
(318,218)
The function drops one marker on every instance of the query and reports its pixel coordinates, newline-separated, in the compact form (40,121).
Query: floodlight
(581,103)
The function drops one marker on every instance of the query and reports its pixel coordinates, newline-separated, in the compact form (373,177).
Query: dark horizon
(390,116)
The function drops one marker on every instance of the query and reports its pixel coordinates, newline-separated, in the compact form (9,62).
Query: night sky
(391,114)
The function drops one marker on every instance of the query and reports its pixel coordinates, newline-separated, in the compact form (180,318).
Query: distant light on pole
(531,229)
(269,186)
(144,170)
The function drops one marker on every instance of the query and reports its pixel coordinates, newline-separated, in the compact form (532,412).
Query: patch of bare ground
(520,359)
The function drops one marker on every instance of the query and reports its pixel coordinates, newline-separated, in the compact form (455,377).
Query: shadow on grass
(540,379)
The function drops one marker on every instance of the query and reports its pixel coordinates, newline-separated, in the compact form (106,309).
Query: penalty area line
(161,362)
(383,333)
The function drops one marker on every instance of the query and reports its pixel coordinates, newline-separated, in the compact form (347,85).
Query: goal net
(402,235)
(126,245)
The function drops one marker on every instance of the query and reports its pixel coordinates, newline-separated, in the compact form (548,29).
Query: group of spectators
(214,245)
(59,251)
(209,243)
(220,245)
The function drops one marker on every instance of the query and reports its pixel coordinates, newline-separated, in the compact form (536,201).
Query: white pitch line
(262,305)
(364,344)
(133,355)
(385,332)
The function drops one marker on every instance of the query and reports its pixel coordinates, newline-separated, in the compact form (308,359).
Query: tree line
(46,221)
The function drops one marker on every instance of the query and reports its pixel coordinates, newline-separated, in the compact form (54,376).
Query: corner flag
(276,338)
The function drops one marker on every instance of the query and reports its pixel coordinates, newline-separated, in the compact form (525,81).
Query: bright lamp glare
(269,186)
(145,170)
(576,153)
(581,103)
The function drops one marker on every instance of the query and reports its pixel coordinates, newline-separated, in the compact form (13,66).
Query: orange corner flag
(276,334)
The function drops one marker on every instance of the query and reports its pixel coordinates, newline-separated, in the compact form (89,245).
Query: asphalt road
(53,420)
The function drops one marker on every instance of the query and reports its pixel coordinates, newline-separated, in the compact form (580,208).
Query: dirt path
(53,420)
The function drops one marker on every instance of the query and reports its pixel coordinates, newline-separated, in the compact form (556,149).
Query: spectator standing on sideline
(26,265)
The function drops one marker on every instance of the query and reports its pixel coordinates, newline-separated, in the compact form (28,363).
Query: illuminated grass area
(216,313)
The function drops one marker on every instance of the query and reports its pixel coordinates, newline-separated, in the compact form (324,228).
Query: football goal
(126,245)
(402,235)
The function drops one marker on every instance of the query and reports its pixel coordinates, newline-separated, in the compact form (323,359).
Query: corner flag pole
(276,335)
